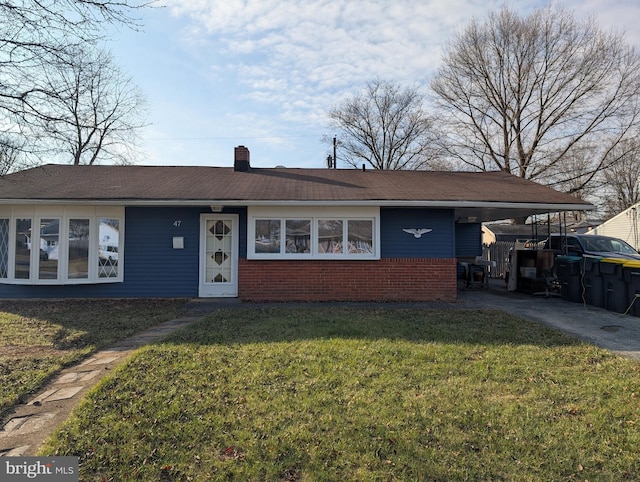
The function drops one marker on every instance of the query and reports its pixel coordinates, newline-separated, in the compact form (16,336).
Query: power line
(228,138)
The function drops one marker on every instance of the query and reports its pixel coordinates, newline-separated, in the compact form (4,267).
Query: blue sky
(264,73)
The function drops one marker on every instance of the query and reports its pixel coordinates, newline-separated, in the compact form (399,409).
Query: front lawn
(356,394)
(38,338)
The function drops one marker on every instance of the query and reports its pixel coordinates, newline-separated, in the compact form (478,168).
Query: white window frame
(63,214)
(314,214)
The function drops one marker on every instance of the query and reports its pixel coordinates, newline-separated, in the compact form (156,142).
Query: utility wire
(226,138)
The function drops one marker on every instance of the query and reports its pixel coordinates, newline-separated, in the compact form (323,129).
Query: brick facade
(394,279)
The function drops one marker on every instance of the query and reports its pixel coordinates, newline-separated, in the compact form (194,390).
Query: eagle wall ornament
(417,232)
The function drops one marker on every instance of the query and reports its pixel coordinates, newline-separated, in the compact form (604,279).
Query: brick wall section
(396,279)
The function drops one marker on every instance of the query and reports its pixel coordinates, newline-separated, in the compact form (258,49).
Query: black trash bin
(568,272)
(615,289)
(631,273)
(591,289)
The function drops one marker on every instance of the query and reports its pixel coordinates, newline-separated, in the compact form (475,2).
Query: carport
(477,271)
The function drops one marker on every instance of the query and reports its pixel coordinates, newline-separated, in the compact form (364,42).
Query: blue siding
(468,240)
(242,230)
(395,243)
(75,291)
(152,267)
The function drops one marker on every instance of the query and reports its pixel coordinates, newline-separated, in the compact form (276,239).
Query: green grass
(338,394)
(38,338)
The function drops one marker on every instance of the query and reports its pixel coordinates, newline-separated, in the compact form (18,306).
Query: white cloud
(268,69)
(289,34)
(328,46)
(622,16)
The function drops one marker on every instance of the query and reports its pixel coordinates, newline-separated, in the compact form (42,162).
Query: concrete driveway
(613,331)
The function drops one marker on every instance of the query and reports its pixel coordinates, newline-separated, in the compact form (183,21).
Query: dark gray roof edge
(298,202)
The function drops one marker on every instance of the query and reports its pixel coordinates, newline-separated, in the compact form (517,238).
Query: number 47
(177,223)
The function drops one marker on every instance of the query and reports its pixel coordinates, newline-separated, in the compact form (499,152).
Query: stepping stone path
(24,430)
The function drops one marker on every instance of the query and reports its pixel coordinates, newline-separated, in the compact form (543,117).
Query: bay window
(22,255)
(61,245)
(78,248)
(313,232)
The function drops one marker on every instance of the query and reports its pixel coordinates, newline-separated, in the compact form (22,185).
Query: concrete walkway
(25,429)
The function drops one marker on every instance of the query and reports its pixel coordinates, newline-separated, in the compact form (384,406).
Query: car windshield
(607,245)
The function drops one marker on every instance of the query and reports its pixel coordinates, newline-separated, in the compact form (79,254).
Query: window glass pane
(78,248)
(267,236)
(360,234)
(298,238)
(108,247)
(4,248)
(330,236)
(23,248)
(49,242)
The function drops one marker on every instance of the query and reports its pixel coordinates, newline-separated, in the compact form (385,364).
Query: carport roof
(475,196)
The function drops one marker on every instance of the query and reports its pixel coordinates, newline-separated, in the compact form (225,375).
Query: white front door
(218,255)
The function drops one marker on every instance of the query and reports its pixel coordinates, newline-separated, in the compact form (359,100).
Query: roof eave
(551,207)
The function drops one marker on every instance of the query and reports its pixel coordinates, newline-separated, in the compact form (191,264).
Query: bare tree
(10,155)
(622,178)
(91,111)
(38,34)
(385,127)
(529,95)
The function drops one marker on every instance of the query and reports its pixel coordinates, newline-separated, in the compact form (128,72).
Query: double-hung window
(320,233)
(61,245)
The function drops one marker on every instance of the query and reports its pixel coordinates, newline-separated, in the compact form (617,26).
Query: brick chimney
(241,159)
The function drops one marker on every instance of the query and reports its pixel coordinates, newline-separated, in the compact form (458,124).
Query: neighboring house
(623,226)
(582,227)
(502,232)
(498,232)
(498,240)
(255,234)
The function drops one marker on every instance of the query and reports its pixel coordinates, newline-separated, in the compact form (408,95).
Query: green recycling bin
(591,289)
(568,272)
(615,289)
(631,273)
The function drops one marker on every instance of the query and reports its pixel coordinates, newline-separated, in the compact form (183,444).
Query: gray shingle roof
(223,185)
(59,182)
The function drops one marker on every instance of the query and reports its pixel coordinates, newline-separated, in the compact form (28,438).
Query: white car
(108,254)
